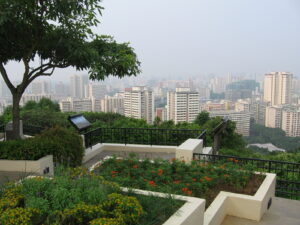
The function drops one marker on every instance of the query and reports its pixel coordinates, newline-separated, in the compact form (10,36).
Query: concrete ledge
(43,166)
(191,213)
(242,206)
(185,150)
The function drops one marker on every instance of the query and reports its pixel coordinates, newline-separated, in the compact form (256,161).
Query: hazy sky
(191,37)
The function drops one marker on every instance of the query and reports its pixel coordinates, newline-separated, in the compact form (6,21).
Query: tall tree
(57,34)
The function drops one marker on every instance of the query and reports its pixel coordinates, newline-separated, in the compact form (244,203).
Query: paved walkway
(143,155)
(282,212)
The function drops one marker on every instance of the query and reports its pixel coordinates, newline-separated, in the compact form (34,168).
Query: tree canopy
(58,34)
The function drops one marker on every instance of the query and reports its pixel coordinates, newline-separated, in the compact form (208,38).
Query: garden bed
(198,179)
(79,197)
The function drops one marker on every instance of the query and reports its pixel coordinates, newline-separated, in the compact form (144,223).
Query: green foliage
(79,197)
(43,104)
(65,145)
(276,136)
(202,118)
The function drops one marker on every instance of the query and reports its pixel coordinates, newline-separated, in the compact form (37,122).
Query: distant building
(242,120)
(97,91)
(40,87)
(273,116)
(76,105)
(182,105)
(113,104)
(139,103)
(161,113)
(278,88)
(291,122)
(258,112)
(242,106)
(78,86)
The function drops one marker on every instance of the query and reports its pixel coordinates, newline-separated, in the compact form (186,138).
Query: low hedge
(64,144)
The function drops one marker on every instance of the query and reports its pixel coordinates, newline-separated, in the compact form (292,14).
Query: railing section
(146,136)
(288,174)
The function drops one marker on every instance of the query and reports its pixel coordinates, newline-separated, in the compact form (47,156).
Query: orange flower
(226,175)
(201,180)
(236,161)
(222,167)
(176,181)
(194,179)
(160,172)
(152,183)
(207,178)
(114,173)
(135,166)
(231,159)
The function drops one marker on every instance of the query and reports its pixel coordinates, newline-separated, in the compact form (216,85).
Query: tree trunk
(16,115)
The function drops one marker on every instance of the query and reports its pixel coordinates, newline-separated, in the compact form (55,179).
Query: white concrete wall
(29,166)
(185,150)
(240,205)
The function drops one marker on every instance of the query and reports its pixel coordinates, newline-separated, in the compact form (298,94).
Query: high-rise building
(258,112)
(97,91)
(40,87)
(139,103)
(291,122)
(273,116)
(33,97)
(242,120)
(113,104)
(278,88)
(78,86)
(161,113)
(182,105)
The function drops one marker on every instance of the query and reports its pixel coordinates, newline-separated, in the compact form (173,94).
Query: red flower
(207,178)
(185,189)
(177,181)
(135,166)
(160,172)
(152,183)
(194,179)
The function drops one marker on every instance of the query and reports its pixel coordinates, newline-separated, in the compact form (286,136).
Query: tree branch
(5,77)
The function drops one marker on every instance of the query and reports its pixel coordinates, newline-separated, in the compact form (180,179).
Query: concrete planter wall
(42,166)
(242,206)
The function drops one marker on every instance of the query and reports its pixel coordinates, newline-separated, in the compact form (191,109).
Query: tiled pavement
(282,212)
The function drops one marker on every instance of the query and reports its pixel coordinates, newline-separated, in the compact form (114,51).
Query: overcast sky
(191,37)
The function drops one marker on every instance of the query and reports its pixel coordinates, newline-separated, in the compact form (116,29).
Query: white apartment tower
(182,105)
(139,103)
(78,86)
(291,122)
(278,88)
(273,116)
(113,104)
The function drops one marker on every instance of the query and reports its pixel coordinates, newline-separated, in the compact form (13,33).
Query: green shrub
(64,144)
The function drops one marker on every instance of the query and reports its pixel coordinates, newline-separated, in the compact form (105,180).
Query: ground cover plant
(199,179)
(78,197)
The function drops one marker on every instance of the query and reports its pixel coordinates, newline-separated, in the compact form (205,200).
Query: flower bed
(79,197)
(203,180)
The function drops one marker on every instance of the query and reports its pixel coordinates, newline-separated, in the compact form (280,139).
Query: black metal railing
(288,174)
(146,136)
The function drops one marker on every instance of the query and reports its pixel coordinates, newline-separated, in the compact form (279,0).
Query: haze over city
(175,39)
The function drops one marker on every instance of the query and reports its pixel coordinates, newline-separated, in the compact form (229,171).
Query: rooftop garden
(198,179)
(77,196)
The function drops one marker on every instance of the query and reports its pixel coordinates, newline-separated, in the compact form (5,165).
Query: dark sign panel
(79,122)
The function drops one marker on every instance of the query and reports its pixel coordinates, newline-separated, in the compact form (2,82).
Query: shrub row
(64,144)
